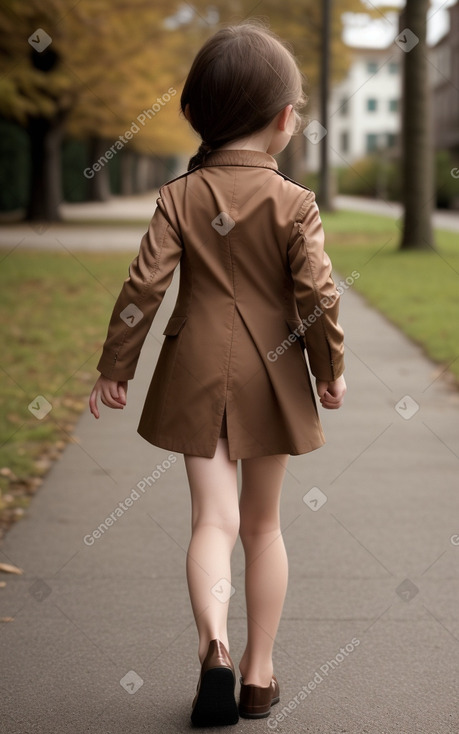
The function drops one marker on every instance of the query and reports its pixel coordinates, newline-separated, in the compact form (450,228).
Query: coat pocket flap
(174,325)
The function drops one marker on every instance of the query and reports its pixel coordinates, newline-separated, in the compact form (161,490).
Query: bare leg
(215,527)
(266,573)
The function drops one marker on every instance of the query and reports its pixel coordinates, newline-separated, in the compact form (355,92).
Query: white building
(364,108)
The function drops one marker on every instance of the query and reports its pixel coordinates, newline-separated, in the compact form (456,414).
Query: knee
(254,527)
(227,524)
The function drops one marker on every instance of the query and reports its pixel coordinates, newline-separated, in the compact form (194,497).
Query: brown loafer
(255,701)
(214,703)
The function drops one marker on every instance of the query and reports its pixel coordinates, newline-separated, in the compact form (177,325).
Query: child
(231,381)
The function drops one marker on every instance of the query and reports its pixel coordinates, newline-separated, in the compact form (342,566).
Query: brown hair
(242,77)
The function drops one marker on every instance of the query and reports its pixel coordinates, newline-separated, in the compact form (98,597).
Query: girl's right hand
(112,394)
(331,394)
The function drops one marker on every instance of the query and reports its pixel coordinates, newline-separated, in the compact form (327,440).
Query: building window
(372,67)
(393,105)
(344,107)
(344,141)
(372,142)
(393,67)
(372,104)
(391,140)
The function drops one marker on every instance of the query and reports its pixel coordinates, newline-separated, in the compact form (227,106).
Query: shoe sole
(248,715)
(216,704)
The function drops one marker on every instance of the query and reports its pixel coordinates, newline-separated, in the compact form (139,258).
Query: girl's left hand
(331,394)
(111,392)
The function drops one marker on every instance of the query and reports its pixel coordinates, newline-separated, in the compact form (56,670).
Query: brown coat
(255,288)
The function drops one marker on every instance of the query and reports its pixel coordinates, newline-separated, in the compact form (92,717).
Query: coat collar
(253,158)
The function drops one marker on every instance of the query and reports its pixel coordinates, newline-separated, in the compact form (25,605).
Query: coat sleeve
(150,274)
(315,293)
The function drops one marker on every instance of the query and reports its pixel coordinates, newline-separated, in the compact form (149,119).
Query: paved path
(81,228)
(103,641)
(118,207)
(134,213)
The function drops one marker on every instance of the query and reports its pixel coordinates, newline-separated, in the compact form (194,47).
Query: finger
(332,405)
(321,386)
(335,398)
(93,404)
(329,401)
(122,393)
(110,402)
(330,398)
(117,393)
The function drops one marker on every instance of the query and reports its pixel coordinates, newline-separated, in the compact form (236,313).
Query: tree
(88,69)
(110,61)
(324,196)
(45,134)
(417,149)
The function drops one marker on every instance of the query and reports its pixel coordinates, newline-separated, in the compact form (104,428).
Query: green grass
(417,291)
(55,312)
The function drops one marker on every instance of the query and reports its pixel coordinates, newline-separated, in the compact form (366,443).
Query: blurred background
(94,70)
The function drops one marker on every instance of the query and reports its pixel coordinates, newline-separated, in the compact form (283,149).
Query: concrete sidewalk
(103,640)
(81,228)
(124,221)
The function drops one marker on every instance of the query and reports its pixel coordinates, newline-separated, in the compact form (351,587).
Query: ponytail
(199,157)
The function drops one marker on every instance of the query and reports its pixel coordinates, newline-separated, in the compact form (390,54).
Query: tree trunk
(291,160)
(142,174)
(45,176)
(151,172)
(417,151)
(99,185)
(165,169)
(324,194)
(127,173)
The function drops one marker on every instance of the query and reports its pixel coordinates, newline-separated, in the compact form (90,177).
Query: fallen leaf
(2,584)
(5,471)
(8,568)
(33,483)
(6,619)
(43,465)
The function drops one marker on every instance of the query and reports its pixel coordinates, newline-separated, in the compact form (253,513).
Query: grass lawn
(55,314)
(417,291)
(56,308)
